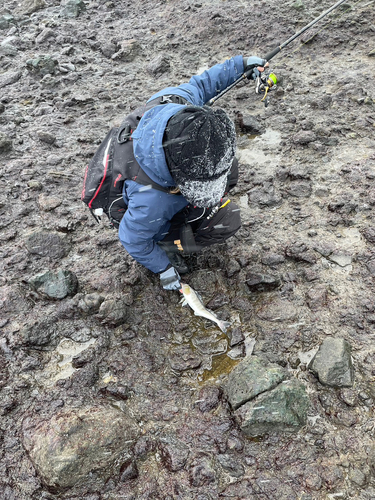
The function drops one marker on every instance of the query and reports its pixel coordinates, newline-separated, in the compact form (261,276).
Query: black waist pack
(113,163)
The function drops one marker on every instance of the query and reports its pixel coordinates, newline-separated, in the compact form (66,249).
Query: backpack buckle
(166,99)
(124,133)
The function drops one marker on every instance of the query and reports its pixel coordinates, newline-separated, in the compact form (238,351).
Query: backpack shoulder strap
(131,122)
(127,127)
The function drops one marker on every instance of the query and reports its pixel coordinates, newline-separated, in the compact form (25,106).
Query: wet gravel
(300,271)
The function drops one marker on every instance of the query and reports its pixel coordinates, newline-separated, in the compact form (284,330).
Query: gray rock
(236,336)
(343,205)
(371,267)
(329,141)
(129,470)
(182,358)
(250,378)
(42,65)
(4,373)
(5,143)
(276,309)
(90,303)
(358,476)
(301,189)
(369,234)
(284,409)
(7,46)
(232,267)
(114,390)
(67,447)
(47,203)
(208,398)
(114,311)
(31,6)
(55,285)
(159,65)
(333,363)
(129,50)
(73,8)
(9,78)
(317,297)
(174,453)
(210,344)
(5,21)
(299,251)
(45,35)
(38,334)
(299,171)
(108,49)
(304,137)
(202,472)
(272,259)
(265,196)
(12,301)
(231,464)
(251,125)
(47,244)
(261,282)
(46,137)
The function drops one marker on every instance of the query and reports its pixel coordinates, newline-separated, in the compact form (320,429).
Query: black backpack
(113,163)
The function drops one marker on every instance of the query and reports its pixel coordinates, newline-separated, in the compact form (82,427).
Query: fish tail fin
(224,325)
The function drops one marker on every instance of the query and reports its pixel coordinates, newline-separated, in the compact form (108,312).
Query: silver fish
(191,298)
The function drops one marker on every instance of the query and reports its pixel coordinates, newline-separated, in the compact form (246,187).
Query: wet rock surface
(55,285)
(71,444)
(250,378)
(283,409)
(333,363)
(113,353)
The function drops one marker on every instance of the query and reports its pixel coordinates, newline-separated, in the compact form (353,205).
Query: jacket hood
(148,142)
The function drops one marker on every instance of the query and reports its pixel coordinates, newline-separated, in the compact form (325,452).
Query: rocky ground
(108,388)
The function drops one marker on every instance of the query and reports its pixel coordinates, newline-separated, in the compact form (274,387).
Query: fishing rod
(266,83)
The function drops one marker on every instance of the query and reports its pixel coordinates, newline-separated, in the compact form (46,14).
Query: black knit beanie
(199,145)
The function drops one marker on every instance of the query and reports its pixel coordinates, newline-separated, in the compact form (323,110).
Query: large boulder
(263,398)
(250,378)
(284,409)
(68,447)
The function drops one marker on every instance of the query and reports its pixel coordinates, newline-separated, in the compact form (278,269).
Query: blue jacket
(149,212)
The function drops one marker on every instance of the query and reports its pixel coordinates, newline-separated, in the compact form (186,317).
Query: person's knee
(224,224)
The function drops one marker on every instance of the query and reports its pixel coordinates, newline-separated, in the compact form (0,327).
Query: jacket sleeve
(148,214)
(212,81)
(203,87)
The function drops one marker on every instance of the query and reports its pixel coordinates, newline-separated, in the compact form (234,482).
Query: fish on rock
(191,298)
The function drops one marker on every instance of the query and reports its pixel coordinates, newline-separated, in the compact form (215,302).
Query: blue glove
(170,279)
(251,63)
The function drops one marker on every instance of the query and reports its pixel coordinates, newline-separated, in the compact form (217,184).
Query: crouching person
(187,151)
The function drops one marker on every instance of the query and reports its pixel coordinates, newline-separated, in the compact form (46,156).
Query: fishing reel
(264,84)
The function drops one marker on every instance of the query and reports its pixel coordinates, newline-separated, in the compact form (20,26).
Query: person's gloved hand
(253,64)
(170,279)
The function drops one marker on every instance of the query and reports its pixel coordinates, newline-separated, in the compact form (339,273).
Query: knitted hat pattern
(199,145)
